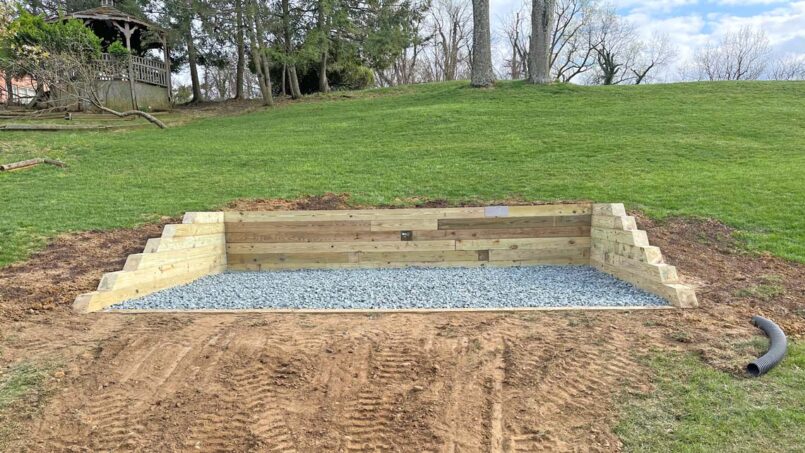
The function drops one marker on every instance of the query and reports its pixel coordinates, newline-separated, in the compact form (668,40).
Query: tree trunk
(241,65)
(284,79)
(539,52)
(482,75)
(293,80)
(9,90)
(265,63)
(286,28)
(192,59)
(324,84)
(40,91)
(263,79)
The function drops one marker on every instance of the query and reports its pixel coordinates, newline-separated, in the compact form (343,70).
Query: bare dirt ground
(446,382)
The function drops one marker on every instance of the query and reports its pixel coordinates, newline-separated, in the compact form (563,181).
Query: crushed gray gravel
(433,288)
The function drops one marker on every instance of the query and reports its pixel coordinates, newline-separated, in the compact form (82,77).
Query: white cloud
(784,26)
(691,23)
(746,2)
(662,6)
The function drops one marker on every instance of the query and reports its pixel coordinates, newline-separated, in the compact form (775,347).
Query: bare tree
(450,27)
(739,55)
(572,39)
(788,67)
(651,55)
(615,46)
(539,53)
(572,43)
(515,30)
(482,74)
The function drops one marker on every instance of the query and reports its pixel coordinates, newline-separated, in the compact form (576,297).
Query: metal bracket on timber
(601,235)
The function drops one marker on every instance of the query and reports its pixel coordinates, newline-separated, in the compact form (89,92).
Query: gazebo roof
(108,13)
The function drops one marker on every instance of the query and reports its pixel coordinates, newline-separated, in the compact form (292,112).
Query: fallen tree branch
(30,163)
(151,118)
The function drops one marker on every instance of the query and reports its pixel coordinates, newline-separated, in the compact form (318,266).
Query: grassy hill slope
(733,151)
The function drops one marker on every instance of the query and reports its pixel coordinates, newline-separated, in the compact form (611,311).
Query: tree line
(264,48)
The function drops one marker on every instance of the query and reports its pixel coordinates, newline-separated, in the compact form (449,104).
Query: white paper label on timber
(496,211)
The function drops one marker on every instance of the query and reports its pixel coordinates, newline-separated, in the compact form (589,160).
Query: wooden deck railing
(146,70)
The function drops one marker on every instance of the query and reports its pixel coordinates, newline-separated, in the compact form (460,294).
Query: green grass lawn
(698,409)
(733,151)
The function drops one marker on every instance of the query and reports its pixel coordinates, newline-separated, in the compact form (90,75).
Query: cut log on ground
(30,163)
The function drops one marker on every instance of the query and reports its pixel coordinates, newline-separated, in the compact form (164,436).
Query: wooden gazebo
(148,82)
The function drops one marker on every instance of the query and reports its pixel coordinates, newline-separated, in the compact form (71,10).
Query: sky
(691,23)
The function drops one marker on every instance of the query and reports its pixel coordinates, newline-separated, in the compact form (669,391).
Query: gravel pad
(486,287)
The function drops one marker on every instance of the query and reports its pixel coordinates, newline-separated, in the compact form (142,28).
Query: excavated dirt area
(528,381)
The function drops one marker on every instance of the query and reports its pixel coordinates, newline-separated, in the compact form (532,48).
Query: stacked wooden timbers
(183,253)
(620,249)
(210,242)
(473,236)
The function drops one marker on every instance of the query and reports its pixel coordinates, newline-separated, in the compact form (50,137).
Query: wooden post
(127,31)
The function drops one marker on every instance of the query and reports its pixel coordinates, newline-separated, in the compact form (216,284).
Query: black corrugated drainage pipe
(777,347)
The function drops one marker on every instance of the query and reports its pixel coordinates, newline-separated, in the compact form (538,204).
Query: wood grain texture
(203,217)
(192,229)
(514,222)
(647,254)
(620,249)
(551,209)
(125,279)
(323,247)
(523,243)
(98,300)
(312,236)
(555,232)
(188,242)
(404,224)
(359,214)
(681,296)
(614,222)
(661,272)
(148,260)
(576,256)
(184,253)
(270,259)
(635,237)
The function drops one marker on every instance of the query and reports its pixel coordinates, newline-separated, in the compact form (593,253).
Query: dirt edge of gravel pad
(68,265)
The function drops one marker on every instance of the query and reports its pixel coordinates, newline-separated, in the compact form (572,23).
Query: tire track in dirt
(148,377)
(223,423)
(111,416)
(576,371)
(370,418)
(495,398)
(446,423)
(264,401)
